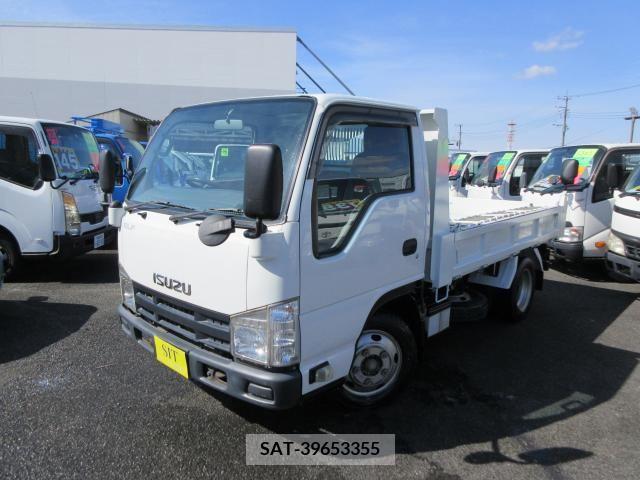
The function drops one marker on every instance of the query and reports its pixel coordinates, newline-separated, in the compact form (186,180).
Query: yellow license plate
(171,356)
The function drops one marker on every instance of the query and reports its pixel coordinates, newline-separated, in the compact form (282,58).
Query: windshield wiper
(206,213)
(155,205)
(85,174)
(631,193)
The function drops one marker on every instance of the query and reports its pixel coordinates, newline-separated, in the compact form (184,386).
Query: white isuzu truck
(578,176)
(256,262)
(50,202)
(623,245)
(503,174)
(463,168)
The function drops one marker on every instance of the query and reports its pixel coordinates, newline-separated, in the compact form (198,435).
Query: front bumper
(623,266)
(268,389)
(72,245)
(570,251)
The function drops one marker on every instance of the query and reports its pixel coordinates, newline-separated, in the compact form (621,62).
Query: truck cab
(577,175)
(463,168)
(127,152)
(50,203)
(623,244)
(271,248)
(504,173)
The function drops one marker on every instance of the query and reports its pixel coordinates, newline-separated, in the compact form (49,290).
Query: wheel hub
(375,365)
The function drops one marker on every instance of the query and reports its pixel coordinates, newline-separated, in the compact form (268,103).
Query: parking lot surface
(557,396)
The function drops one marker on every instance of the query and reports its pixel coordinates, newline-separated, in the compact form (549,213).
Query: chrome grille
(206,328)
(633,251)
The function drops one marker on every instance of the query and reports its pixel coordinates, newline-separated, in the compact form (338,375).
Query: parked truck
(50,202)
(502,175)
(279,271)
(111,136)
(623,244)
(462,170)
(577,175)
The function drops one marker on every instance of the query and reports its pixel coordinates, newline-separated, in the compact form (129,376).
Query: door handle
(409,247)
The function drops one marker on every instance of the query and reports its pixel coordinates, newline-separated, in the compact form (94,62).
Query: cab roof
(33,121)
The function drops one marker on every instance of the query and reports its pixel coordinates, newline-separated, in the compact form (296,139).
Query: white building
(58,70)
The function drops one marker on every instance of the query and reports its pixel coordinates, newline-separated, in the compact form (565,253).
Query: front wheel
(9,254)
(384,357)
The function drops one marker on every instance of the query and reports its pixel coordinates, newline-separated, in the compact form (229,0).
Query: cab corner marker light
(601,244)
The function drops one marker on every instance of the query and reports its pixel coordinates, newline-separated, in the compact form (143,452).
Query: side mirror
(466,177)
(128,165)
(612,176)
(262,185)
(46,168)
(493,174)
(107,171)
(569,171)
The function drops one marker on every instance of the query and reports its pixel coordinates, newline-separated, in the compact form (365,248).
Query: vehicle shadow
(486,381)
(591,270)
(31,325)
(96,267)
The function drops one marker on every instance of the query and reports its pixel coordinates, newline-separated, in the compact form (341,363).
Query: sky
(486,62)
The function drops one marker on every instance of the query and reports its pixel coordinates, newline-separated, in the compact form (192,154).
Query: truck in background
(504,173)
(623,244)
(462,169)
(50,203)
(282,269)
(577,175)
(127,152)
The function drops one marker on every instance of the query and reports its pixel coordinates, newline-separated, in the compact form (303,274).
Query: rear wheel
(514,304)
(385,355)
(10,254)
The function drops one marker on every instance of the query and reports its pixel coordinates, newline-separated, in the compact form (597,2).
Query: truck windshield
(75,150)
(196,158)
(499,160)
(131,147)
(457,161)
(551,168)
(632,185)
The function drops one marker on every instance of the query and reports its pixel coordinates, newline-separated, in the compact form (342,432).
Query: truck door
(600,203)
(362,226)
(25,204)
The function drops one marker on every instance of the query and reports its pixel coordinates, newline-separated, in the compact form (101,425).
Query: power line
(601,92)
(324,65)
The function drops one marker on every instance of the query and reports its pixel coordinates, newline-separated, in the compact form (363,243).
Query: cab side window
(474,166)
(625,161)
(527,164)
(358,162)
(19,156)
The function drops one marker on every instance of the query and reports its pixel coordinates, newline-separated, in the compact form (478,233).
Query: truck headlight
(268,336)
(71,214)
(615,244)
(126,288)
(571,235)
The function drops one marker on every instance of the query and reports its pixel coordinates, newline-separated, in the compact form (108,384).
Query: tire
(470,306)
(10,253)
(513,305)
(384,358)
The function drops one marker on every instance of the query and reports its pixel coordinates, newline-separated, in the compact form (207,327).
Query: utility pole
(565,112)
(459,125)
(511,132)
(633,117)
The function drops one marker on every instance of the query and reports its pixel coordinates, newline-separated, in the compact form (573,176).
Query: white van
(500,176)
(623,255)
(50,203)
(577,175)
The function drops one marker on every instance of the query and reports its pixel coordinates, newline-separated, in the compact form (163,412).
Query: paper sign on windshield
(457,164)
(503,163)
(66,158)
(584,156)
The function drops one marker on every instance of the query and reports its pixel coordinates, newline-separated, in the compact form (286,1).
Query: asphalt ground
(554,397)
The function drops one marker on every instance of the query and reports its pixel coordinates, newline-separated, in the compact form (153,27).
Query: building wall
(57,71)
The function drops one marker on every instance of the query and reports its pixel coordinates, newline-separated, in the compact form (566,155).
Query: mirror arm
(260,228)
